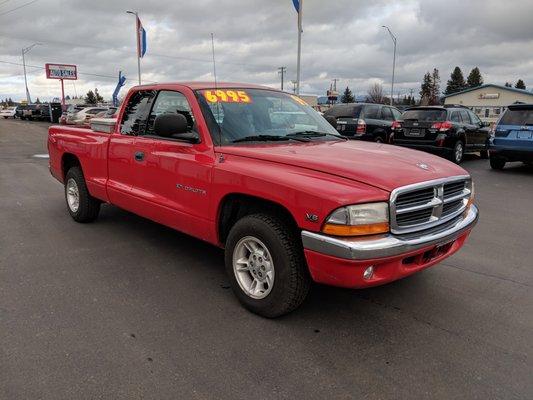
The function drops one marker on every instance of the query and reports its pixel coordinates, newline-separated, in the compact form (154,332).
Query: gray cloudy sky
(342,39)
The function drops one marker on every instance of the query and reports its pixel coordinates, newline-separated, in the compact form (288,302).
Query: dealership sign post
(61,72)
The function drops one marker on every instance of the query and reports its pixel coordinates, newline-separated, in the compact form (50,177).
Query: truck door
(122,153)
(172,181)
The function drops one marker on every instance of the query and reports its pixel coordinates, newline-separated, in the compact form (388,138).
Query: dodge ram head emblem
(423,166)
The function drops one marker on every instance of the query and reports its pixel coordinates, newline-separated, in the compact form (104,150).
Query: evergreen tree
(37,101)
(90,98)
(99,99)
(508,84)
(67,97)
(520,84)
(347,96)
(434,97)
(456,83)
(425,89)
(474,78)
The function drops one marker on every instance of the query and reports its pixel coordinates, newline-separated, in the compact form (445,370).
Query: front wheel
(265,265)
(81,205)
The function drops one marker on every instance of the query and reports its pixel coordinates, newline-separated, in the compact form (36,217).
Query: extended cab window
(136,113)
(169,102)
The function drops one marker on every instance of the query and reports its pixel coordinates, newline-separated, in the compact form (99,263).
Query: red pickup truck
(259,173)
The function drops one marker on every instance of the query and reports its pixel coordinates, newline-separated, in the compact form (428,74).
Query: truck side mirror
(332,120)
(167,125)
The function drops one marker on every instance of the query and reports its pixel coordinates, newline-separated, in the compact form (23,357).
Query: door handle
(139,156)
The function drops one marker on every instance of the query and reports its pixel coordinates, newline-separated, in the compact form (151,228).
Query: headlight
(357,220)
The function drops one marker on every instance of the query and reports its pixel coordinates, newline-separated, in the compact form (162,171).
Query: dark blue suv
(512,138)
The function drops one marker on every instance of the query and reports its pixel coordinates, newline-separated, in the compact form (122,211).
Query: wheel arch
(234,206)
(69,160)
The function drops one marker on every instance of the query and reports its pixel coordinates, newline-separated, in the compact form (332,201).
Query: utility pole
(281,71)
(335,83)
(393,62)
(24,51)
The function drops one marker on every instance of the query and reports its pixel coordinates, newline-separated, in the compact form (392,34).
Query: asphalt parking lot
(126,308)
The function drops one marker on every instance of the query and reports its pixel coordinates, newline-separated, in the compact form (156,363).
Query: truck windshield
(425,115)
(241,115)
(520,116)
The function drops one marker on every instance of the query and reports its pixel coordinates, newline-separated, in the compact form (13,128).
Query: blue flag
(141,39)
(296,5)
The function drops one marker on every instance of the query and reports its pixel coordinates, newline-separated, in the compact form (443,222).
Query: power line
(210,61)
(18,8)
(79,73)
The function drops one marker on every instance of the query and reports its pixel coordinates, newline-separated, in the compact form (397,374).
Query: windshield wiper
(310,133)
(265,138)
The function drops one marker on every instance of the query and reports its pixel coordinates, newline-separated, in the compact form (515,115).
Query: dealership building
(489,101)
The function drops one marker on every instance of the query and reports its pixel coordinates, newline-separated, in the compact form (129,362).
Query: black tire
(484,154)
(458,152)
(291,279)
(88,207)
(497,162)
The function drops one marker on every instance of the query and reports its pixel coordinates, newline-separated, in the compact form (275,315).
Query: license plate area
(415,132)
(524,135)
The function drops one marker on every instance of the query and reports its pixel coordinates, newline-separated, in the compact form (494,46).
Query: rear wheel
(265,265)
(458,152)
(497,162)
(81,205)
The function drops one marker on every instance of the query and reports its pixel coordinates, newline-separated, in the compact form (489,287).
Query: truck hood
(380,165)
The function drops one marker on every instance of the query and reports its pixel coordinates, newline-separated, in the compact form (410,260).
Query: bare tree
(375,94)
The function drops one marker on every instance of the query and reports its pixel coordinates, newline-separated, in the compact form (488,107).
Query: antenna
(214,64)
(216,87)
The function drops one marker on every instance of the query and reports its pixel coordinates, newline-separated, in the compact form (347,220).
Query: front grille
(428,204)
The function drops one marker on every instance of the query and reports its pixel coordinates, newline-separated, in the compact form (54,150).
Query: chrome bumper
(388,245)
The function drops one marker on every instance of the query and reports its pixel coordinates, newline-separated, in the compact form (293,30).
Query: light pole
(24,51)
(393,62)
(138,42)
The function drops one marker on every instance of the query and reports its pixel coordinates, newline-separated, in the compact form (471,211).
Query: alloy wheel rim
(253,267)
(73,195)
(458,152)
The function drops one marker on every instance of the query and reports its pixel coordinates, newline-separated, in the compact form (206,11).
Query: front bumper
(341,261)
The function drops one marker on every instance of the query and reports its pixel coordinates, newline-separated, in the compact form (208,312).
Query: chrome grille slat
(428,204)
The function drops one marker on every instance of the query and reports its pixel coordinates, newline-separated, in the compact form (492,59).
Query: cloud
(342,39)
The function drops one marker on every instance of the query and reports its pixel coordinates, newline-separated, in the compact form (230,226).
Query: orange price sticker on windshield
(227,96)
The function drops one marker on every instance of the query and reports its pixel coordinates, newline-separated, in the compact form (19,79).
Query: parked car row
(8,112)
(450,130)
(82,115)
